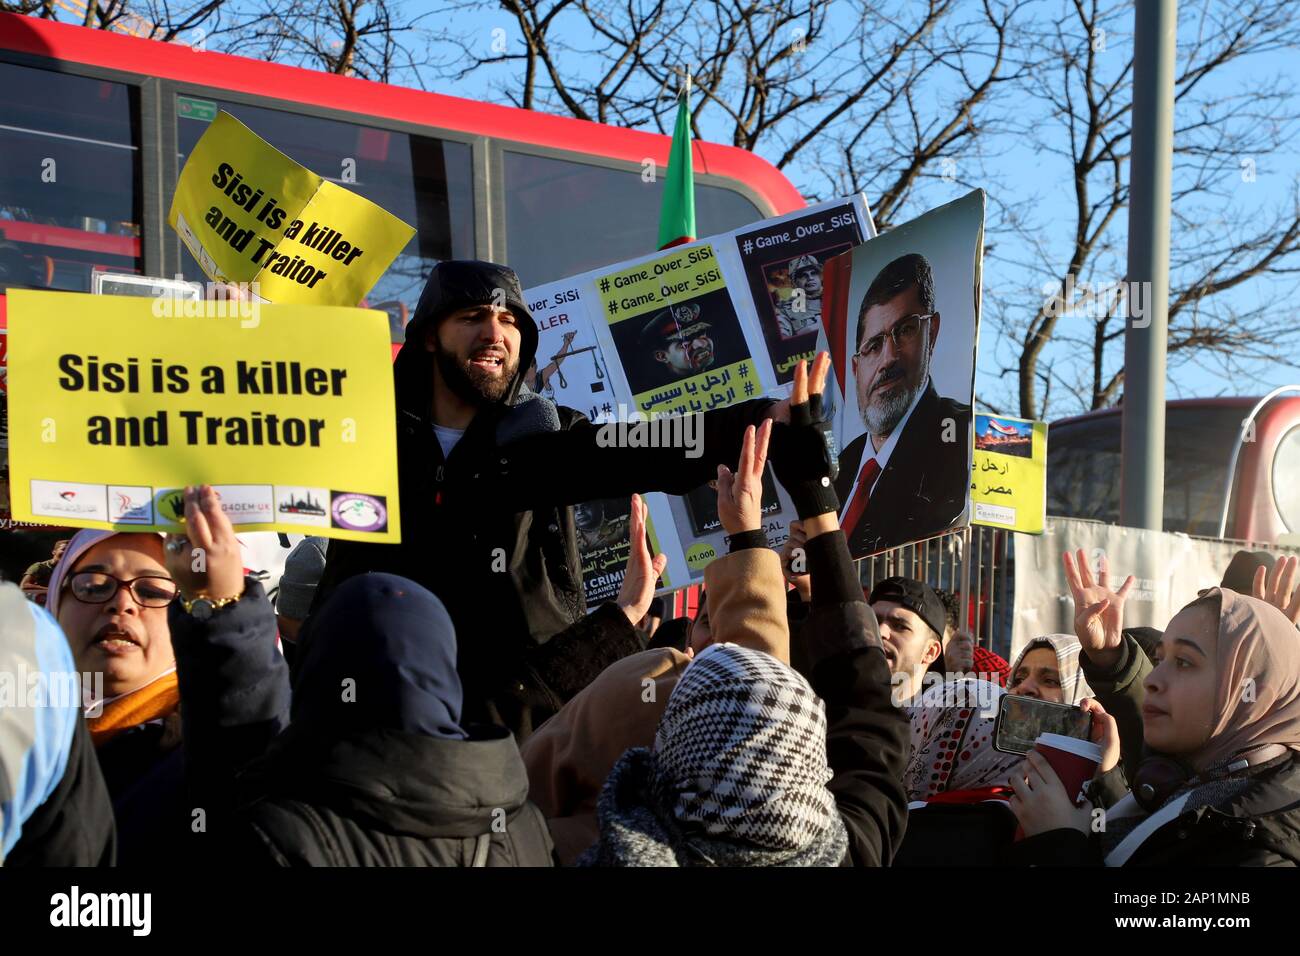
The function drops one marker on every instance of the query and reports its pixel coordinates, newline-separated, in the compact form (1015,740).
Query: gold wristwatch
(202,607)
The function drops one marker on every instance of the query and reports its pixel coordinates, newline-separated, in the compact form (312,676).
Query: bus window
(1286,490)
(69,178)
(555,208)
(1083,466)
(425,182)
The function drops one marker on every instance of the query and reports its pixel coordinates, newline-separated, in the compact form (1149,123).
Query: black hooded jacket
(490,529)
(375,768)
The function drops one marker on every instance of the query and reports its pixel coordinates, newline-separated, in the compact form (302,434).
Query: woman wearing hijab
(368,764)
(952,754)
(123,599)
(1048,668)
(111,593)
(54,808)
(1221,783)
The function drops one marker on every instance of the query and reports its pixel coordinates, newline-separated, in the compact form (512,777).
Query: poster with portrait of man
(783,262)
(903,318)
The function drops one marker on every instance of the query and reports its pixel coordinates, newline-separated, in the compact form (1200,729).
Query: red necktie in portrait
(866,478)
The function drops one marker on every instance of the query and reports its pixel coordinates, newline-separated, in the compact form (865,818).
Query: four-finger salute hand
(801,456)
(740,496)
(1098,611)
(1278,587)
(642,575)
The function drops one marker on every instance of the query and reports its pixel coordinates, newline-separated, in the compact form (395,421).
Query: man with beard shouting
(910,481)
(488,472)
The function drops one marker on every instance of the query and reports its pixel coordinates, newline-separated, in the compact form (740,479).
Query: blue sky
(1013,172)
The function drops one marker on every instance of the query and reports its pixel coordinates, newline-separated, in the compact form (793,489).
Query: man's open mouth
(491,361)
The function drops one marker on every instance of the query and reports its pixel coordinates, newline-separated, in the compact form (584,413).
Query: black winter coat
(1258,827)
(304,794)
(386,798)
(838,650)
(74,827)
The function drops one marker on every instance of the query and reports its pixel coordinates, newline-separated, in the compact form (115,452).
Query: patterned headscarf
(740,752)
(952,740)
(1074,687)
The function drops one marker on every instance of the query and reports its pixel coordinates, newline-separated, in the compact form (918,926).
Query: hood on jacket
(380,655)
(375,720)
(457,284)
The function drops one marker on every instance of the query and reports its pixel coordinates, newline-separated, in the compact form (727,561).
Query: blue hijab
(36,732)
(379,655)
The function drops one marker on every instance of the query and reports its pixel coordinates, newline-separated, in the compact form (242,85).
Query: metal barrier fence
(985,584)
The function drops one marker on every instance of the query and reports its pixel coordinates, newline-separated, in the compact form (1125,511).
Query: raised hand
(805,386)
(740,496)
(1277,587)
(1098,611)
(205,560)
(642,574)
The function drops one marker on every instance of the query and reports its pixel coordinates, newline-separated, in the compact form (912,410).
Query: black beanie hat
(917,597)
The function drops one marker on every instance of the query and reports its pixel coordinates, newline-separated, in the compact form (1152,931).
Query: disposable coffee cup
(1075,761)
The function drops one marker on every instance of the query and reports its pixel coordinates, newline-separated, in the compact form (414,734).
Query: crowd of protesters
(424,704)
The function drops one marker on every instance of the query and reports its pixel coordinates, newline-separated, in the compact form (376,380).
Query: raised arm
(839,651)
(234,684)
(586,461)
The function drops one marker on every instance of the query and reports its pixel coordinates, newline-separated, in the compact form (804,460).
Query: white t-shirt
(447,438)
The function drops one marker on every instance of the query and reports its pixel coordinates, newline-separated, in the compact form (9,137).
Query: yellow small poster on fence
(116,403)
(1009,477)
(250,214)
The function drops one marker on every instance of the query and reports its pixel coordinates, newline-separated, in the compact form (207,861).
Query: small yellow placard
(250,214)
(1009,477)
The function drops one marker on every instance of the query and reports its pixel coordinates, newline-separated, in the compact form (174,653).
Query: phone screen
(1022,720)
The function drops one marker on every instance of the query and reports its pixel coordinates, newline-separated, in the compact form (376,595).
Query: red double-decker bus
(95,127)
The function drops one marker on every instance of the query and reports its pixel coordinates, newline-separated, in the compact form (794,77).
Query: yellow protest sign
(677,334)
(1009,477)
(250,214)
(118,402)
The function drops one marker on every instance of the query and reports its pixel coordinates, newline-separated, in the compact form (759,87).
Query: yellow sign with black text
(250,214)
(1009,476)
(116,403)
(677,334)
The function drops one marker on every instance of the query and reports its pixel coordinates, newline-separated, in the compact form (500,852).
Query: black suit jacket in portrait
(923,489)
